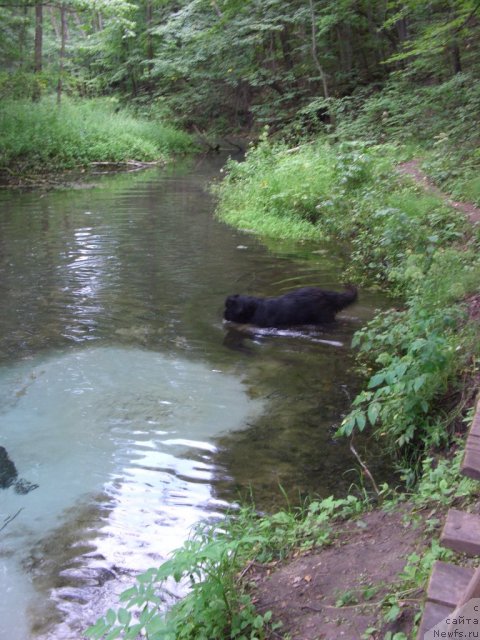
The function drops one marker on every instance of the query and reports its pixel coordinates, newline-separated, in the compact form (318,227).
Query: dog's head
(239,308)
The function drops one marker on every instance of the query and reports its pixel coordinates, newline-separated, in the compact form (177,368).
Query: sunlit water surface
(129,403)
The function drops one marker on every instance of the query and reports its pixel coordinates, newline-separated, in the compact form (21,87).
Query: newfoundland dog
(309,305)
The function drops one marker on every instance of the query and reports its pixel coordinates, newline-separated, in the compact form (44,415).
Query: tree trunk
(63,39)
(37,64)
(456,59)
(23,37)
(149,42)
(314,51)
(286,48)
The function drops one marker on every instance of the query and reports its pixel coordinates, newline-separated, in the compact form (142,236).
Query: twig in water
(9,519)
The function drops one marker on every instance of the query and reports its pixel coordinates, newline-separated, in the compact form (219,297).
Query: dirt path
(412,168)
(335,593)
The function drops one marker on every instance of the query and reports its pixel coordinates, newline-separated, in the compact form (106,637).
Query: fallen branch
(234,144)
(125,163)
(9,519)
(204,139)
(366,470)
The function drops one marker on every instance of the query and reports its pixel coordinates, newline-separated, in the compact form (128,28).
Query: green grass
(46,137)
(275,193)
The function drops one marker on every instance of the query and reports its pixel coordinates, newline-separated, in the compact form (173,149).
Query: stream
(128,410)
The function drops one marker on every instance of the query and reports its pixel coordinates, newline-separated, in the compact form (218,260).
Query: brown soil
(336,592)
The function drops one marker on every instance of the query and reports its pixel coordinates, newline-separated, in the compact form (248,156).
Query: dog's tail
(349,296)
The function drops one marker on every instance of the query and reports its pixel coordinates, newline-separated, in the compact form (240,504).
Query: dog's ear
(231,299)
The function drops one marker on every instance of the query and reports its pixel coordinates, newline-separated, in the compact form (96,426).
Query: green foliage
(418,357)
(441,483)
(442,117)
(229,65)
(349,191)
(398,236)
(45,136)
(218,604)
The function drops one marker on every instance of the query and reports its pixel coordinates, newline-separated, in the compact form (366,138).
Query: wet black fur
(309,305)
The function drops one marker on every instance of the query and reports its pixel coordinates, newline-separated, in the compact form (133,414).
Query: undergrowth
(45,136)
(440,121)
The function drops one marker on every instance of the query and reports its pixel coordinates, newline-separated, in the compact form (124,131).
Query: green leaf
(361,421)
(111,617)
(97,630)
(419,382)
(376,380)
(373,412)
(124,616)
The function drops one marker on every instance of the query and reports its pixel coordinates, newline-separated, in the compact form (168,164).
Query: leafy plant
(209,566)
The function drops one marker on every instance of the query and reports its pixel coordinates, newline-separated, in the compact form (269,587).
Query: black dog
(309,305)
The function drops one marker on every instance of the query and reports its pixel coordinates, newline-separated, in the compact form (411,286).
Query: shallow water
(128,402)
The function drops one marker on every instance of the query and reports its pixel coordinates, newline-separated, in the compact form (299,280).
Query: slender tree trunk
(456,59)
(149,42)
(23,37)
(323,76)
(63,40)
(53,20)
(37,63)
(286,48)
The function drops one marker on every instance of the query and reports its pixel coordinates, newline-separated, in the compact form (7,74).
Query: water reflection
(101,431)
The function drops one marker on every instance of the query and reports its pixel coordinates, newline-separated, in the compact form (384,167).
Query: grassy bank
(43,137)
(398,237)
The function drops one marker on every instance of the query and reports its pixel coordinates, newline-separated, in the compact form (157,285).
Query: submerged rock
(9,475)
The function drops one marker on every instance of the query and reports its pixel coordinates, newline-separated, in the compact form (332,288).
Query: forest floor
(336,593)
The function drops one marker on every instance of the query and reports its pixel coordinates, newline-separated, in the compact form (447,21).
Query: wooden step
(447,586)
(471,464)
(432,615)
(475,427)
(462,532)
(471,461)
(448,583)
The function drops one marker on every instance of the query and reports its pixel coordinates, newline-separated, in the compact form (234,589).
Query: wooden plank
(471,461)
(461,532)
(448,583)
(475,428)
(471,464)
(432,615)
(473,443)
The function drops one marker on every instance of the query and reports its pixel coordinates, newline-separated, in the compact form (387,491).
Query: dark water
(129,403)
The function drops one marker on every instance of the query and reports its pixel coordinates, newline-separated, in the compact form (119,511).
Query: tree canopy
(232,62)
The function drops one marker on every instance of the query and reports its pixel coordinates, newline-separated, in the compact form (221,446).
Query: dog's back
(308,305)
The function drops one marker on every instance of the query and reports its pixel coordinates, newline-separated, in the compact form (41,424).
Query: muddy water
(127,407)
